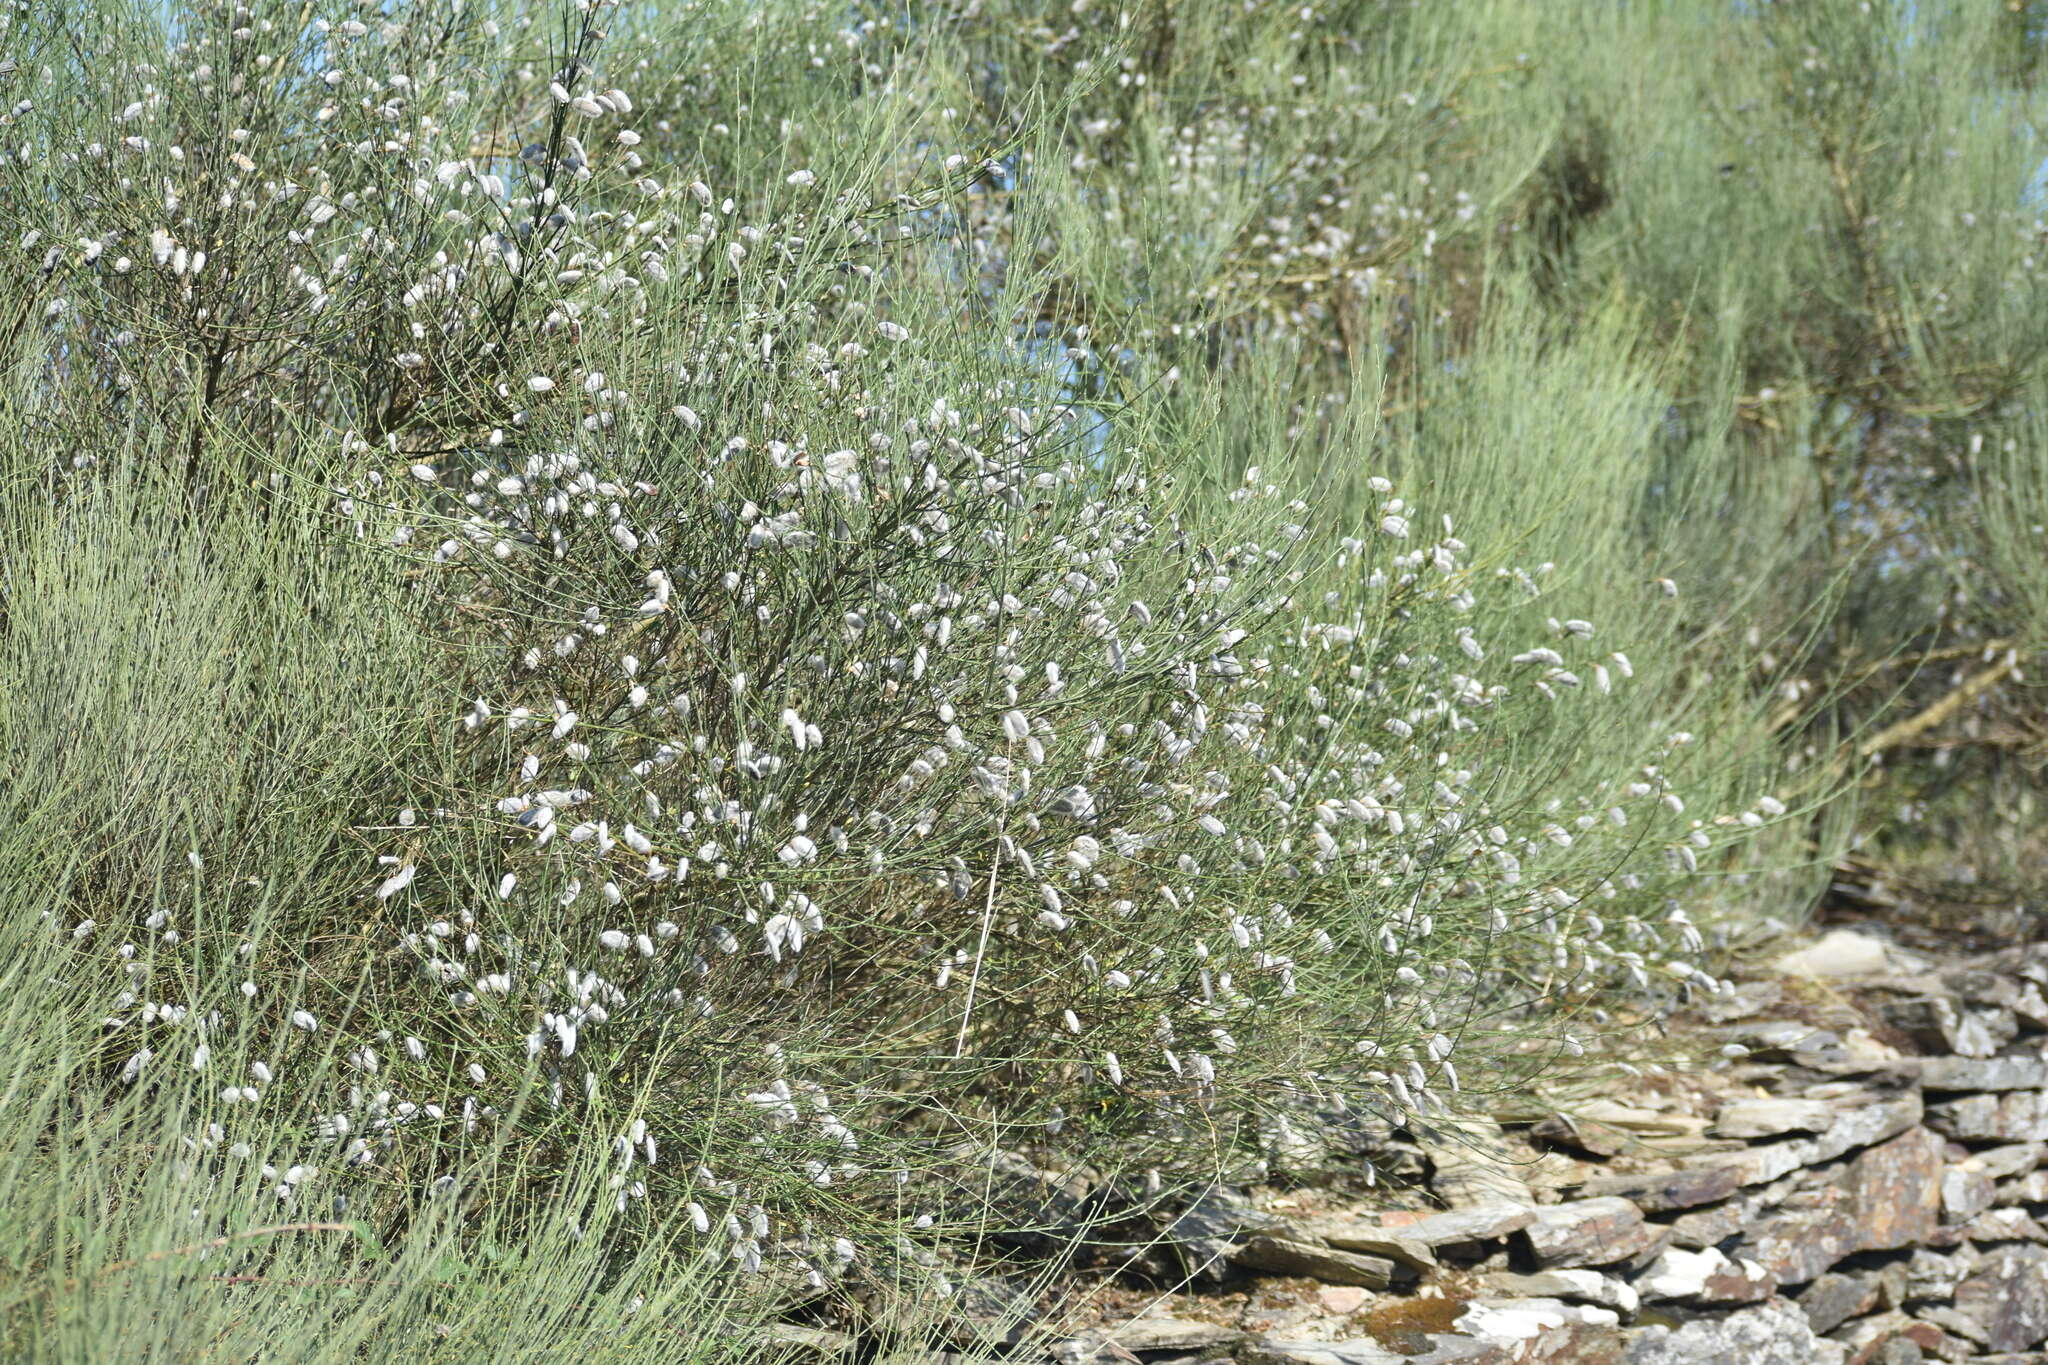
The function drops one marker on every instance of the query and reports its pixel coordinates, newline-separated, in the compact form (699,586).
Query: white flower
(893,331)
(540,383)
(396,882)
(304,1020)
(802,179)
(614,940)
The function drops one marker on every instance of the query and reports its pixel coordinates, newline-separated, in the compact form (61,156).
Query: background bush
(652,655)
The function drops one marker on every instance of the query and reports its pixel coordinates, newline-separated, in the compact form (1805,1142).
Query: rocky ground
(1860,1180)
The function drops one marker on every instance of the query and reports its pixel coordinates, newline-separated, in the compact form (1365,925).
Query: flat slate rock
(1372,1239)
(1984,1073)
(1280,1256)
(1765,1118)
(1667,1191)
(1463,1227)
(1583,1232)
(1888,1197)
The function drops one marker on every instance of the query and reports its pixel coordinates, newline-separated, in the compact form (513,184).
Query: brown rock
(1590,1232)
(2007,1297)
(1280,1256)
(1662,1191)
(1890,1196)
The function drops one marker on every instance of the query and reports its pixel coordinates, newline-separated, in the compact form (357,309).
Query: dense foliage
(648,650)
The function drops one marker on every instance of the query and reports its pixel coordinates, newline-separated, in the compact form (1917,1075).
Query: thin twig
(218,1242)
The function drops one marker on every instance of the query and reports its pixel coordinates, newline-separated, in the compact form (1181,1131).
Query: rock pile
(1859,1180)
(1864,1186)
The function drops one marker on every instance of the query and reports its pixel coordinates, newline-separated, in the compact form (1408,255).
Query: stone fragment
(1747,1000)
(1473,1166)
(1462,1228)
(1937,1023)
(1521,1319)
(1707,1277)
(1280,1256)
(1965,1194)
(1342,1299)
(1372,1239)
(1149,1331)
(1856,1125)
(1590,1232)
(1840,952)
(1888,1197)
(1763,1118)
(1204,1233)
(1803,1044)
(1663,1191)
(1832,1299)
(1934,1275)
(1772,1333)
(2002,1163)
(2031,1188)
(2006,1296)
(812,1342)
(2021,1116)
(1897,1335)
(1576,1286)
(1984,1073)
(1279,1351)
(2003,1225)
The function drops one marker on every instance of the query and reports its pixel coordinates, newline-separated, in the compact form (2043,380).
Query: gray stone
(1585,1232)
(2021,1116)
(1838,953)
(2002,1163)
(1462,1228)
(1279,1351)
(1772,1118)
(1938,1023)
(1371,1239)
(1279,1256)
(1965,1194)
(811,1341)
(1473,1167)
(2006,1297)
(1524,1319)
(1935,1275)
(1575,1286)
(1984,1073)
(1149,1331)
(1768,1334)
(1832,1299)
